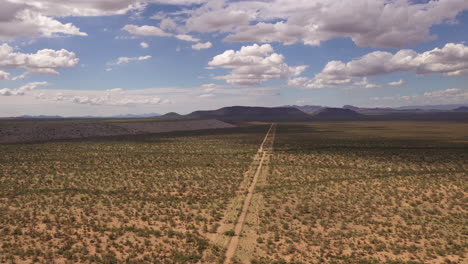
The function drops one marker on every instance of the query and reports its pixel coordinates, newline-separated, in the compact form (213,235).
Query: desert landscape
(234,132)
(250,192)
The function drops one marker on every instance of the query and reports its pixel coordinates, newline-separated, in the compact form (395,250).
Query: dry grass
(147,199)
(377,192)
(337,192)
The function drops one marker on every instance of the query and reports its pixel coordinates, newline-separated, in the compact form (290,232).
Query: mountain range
(312,112)
(303,113)
(246,113)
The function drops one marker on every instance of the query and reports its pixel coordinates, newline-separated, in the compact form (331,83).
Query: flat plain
(134,199)
(330,192)
(362,192)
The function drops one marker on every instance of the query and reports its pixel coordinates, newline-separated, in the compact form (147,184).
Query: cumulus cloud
(187,38)
(217,17)
(210,87)
(397,83)
(124,60)
(167,23)
(81,7)
(30,18)
(366,84)
(200,46)
(46,61)
(144,45)
(4,75)
(254,64)
(378,23)
(22,90)
(450,60)
(146,31)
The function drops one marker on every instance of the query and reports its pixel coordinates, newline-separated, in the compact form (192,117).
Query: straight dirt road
(264,150)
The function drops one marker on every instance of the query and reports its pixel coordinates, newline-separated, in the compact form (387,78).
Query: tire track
(265,147)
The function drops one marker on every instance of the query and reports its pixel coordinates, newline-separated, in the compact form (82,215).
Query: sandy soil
(46,131)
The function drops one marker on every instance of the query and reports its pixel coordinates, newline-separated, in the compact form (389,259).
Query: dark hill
(461,109)
(336,114)
(245,113)
(350,107)
(306,108)
(171,115)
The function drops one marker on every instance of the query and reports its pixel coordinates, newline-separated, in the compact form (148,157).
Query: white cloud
(22,90)
(167,23)
(4,75)
(200,46)
(80,7)
(217,17)
(206,95)
(452,92)
(17,20)
(187,38)
(108,101)
(181,100)
(144,45)
(447,96)
(44,61)
(397,83)
(123,60)
(254,64)
(457,73)
(210,87)
(110,97)
(377,23)
(146,31)
(7,92)
(450,60)
(366,84)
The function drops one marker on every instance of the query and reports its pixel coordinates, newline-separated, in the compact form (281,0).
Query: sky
(111,57)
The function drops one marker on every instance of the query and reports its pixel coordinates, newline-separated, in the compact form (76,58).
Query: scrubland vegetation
(329,192)
(388,192)
(140,199)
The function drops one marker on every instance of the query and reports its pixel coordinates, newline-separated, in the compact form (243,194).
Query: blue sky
(106,57)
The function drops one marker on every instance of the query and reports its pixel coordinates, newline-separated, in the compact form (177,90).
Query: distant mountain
(375,110)
(136,116)
(40,116)
(351,107)
(171,115)
(446,107)
(461,109)
(306,108)
(336,114)
(246,113)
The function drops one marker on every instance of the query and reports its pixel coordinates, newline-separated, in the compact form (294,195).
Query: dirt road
(264,150)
